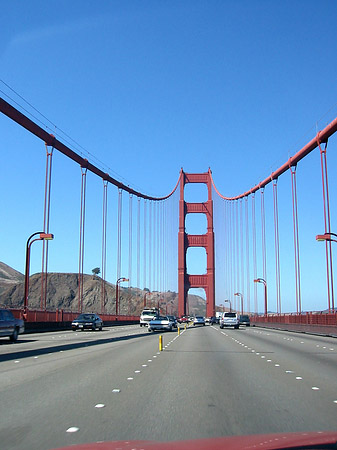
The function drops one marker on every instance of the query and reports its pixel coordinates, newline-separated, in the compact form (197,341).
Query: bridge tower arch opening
(189,302)
(185,241)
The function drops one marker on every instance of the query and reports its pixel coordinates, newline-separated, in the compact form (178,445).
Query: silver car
(229,319)
(199,320)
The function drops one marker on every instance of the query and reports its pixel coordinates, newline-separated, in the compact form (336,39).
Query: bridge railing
(65,316)
(308,318)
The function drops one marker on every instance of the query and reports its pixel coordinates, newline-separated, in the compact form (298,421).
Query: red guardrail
(309,318)
(65,316)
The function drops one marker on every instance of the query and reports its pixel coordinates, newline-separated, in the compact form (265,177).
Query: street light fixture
(120,280)
(240,295)
(326,237)
(42,237)
(261,280)
(230,304)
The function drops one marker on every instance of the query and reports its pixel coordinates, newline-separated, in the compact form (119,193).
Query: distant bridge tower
(185,281)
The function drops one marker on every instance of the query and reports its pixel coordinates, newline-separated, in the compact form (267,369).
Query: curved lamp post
(240,295)
(326,237)
(120,280)
(42,237)
(261,280)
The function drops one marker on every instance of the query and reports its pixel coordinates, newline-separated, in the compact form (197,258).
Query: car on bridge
(87,321)
(229,319)
(244,320)
(173,319)
(199,320)
(10,326)
(147,315)
(183,319)
(162,323)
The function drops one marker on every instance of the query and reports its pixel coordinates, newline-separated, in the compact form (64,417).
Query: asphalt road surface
(63,388)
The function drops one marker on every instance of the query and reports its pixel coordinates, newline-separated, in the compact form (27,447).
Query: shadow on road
(6,341)
(57,348)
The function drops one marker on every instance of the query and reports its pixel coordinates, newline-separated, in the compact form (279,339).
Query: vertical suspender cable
(150,246)
(81,250)
(130,240)
(119,234)
(46,216)
(231,251)
(296,239)
(226,264)
(263,235)
(242,289)
(166,254)
(237,251)
(138,243)
(162,254)
(247,255)
(155,244)
(234,252)
(164,206)
(104,232)
(326,203)
(159,249)
(130,252)
(254,252)
(145,244)
(277,248)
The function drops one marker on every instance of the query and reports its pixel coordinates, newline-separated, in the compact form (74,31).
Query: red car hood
(328,439)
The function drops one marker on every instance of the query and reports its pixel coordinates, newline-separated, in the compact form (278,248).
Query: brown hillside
(9,276)
(62,293)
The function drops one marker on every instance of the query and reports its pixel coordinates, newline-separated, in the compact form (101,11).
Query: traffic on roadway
(74,387)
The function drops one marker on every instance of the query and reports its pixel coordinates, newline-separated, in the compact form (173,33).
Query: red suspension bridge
(248,238)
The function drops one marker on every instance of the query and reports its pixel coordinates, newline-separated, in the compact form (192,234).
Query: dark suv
(244,320)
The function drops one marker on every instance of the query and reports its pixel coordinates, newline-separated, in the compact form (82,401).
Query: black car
(244,320)
(87,321)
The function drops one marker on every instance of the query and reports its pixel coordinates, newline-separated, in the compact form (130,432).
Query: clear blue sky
(148,87)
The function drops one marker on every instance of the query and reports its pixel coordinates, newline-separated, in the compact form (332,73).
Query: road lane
(206,383)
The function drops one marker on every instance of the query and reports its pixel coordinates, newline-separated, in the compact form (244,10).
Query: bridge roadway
(207,382)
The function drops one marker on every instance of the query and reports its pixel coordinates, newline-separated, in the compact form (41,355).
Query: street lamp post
(230,304)
(120,280)
(146,293)
(240,295)
(327,237)
(42,237)
(261,280)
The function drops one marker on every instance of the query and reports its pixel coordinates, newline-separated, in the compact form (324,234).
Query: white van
(147,315)
(229,319)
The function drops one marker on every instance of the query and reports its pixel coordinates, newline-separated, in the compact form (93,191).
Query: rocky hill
(62,293)
(9,276)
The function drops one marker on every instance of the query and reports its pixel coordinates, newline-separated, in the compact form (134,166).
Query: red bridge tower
(186,281)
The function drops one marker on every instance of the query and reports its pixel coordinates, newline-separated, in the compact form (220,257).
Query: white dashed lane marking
(298,378)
